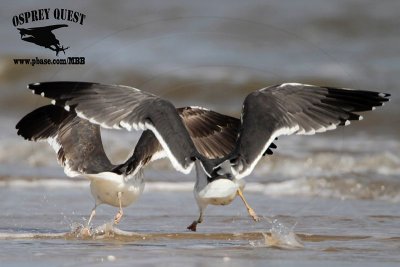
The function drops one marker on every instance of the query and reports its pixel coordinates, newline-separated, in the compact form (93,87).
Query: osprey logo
(43,36)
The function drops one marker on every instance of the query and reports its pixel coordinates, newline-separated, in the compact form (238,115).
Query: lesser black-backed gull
(79,149)
(292,108)
(285,109)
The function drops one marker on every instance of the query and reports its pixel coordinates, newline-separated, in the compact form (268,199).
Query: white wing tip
(34,84)
(197,107)
(53,102)
(331,127)
(126,125)
(293,84)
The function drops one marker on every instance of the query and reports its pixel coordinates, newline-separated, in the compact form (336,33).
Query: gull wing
(76,141)
(293,108)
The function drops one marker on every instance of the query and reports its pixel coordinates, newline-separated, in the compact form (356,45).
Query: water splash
(279,236)
(79,231)
(104,231)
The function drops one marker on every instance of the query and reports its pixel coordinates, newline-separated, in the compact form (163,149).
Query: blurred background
(212,54)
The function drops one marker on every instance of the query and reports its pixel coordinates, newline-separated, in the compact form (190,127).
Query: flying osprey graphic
(43,36)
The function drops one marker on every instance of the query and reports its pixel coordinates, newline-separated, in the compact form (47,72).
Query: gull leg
(85,231)
(193,226)
(120,213)
(251,212)
(92,214)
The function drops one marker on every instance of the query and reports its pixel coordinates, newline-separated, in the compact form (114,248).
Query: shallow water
(36,222)
(338,194)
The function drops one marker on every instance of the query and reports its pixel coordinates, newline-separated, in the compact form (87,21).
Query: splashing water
(279,236)
(104,231)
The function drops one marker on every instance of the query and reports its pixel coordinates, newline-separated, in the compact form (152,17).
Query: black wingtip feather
(269,150)
(41,123)
(56,89)
(355,100)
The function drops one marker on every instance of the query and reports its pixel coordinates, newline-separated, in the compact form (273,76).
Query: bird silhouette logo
(43,36)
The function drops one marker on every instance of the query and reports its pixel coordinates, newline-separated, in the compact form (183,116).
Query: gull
(292,108)
(285,109)
(80,151)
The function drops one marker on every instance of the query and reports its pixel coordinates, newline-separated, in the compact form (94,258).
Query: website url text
(48,61)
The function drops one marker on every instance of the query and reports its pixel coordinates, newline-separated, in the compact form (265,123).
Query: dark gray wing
(293,108)
(213,134)
(146,150)
(77,142)
(116,106)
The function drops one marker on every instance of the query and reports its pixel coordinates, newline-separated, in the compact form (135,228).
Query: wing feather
(117,107)
(294,108)
(213,134)
(77,142)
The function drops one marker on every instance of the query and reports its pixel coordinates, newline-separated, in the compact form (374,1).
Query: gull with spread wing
(80,151)
(289,108)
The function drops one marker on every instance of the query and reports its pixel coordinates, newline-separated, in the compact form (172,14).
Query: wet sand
(37,226)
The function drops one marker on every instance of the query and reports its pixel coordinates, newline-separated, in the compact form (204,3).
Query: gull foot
(118,217)
(193,226)
(254,215)
(85,232)
(81,232)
